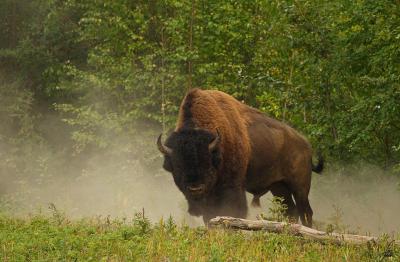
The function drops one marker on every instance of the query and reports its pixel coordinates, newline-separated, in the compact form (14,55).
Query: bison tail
(320,166)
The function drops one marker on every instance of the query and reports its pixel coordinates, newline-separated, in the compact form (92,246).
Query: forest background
(86,82)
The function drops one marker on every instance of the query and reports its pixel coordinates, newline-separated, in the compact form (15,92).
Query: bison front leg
(234,203)
(231,202)
(195,208)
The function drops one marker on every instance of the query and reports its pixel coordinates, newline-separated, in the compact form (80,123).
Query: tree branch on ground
(292,229)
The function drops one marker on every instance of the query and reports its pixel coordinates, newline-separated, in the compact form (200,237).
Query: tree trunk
(191,32)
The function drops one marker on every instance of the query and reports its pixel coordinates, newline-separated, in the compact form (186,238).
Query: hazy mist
(367,200)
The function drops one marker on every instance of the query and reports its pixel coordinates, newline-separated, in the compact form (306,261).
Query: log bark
(292,229)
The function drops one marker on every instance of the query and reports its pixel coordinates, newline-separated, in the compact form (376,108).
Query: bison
(222,148)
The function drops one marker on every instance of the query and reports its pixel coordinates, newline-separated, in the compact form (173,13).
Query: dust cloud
(362,200)
(102,190)
(365,199)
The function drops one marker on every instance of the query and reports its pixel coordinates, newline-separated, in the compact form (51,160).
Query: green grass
(55,238)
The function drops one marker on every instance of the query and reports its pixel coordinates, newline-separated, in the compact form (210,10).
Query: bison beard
(222,148)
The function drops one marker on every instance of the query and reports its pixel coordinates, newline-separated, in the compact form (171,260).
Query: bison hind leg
(256,201)
(280,189)
(305,210)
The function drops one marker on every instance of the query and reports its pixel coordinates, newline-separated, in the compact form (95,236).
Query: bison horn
(215,142)
(163,148)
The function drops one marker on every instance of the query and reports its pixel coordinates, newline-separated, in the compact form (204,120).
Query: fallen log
(292,229)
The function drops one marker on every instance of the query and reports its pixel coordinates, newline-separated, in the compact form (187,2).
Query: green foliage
(40,238)
(277,210)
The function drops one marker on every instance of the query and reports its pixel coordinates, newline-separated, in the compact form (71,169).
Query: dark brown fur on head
(191,162)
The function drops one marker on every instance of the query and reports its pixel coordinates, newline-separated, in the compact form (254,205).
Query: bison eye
(167,164)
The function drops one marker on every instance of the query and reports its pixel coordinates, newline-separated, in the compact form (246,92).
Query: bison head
(193,158)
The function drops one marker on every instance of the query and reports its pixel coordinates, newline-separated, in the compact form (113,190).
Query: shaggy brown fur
(255,154)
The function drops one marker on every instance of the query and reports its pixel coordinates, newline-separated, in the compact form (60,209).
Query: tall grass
(55,238)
